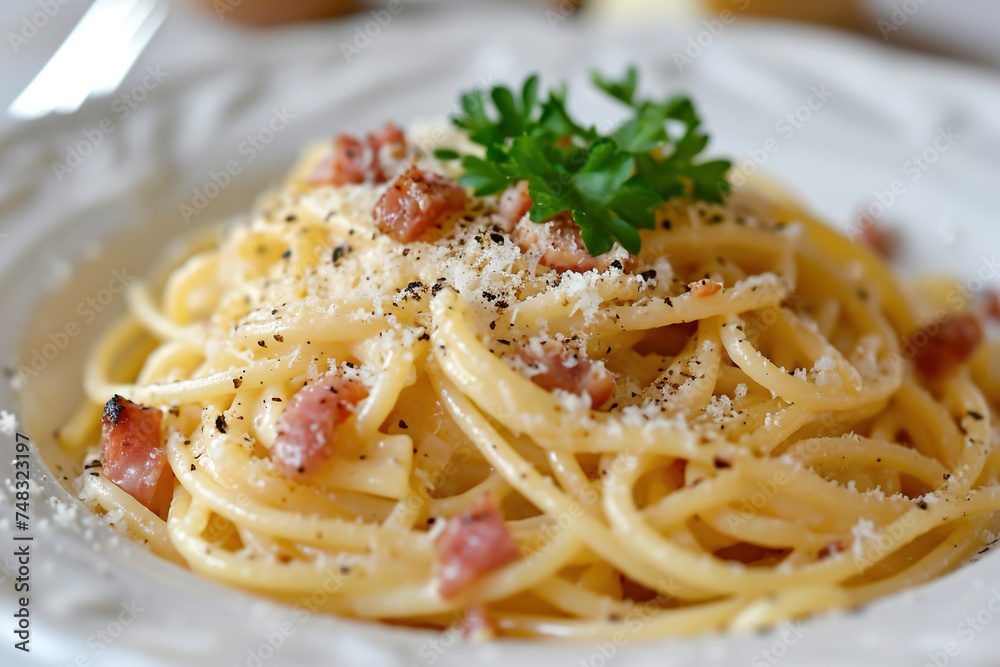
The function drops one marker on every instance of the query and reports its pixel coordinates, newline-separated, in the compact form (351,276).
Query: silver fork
(93,59)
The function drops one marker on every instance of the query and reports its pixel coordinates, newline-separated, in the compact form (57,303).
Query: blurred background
(102,39)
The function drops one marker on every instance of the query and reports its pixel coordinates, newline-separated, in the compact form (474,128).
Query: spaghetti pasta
(766,451)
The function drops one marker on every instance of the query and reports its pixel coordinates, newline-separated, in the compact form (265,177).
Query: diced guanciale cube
(415,202)
(472,545)
(352,160)
(559,236)
(575,373)
(133,455)
(307,428)
(940,347)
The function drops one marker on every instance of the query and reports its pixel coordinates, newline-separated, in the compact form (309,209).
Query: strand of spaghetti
(543,494)
(382,470)
(937,434)
(178,251)
(801,392)
(802,424)
(188,518)
(227,460)
(524,407)
(106,355)
(991,470)
(580,602)
(568,298)
(315,320)
(423,598)
(305,247)
(494,485)
(170,359)
(392,378)
(767,531)
(766,435)
(196,276)
(763,249)
(316,530)
(141,304)
(825,454)
(141,522)
(975,422)
(713,499)
(877,273)
(760,291)
(75,433)
(704,570)
(696,369)
(789,326)
(807,488)
(827,317)
(960,544)
(712,493)
(409,508)
(571,477)
(643,623)
(211,386)
(789,603)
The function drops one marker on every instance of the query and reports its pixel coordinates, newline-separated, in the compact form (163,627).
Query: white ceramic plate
(63,241)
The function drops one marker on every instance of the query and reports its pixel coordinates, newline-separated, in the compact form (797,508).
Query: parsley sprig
(611,184)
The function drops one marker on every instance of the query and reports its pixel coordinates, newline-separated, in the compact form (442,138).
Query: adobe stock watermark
(789,634)
(437,134)
(433,479)
(966,631)
(370,29)
(272,641)
(100,641)
(121,108)
(32,23)
(899,17)
(631,623)
(436,646)
(787,127)
(246,151)
(563,10)
(223,7)
(750,507)
(870,547)
(703,40)
(589,496)
(911,170)
(86,312)
(957,298)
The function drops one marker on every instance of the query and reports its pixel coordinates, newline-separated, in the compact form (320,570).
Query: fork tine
(139,29)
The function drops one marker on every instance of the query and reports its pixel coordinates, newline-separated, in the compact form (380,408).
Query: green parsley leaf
(611,185)
(623,90)
(483,176)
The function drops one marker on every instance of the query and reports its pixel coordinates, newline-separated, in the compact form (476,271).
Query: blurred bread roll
(843,13)
(270,12)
